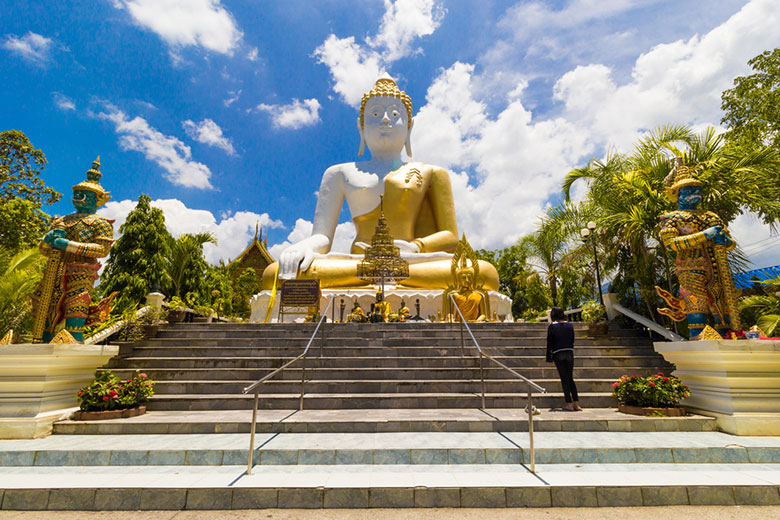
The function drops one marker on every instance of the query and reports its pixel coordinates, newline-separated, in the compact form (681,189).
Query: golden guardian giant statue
(701,242)
(72,246)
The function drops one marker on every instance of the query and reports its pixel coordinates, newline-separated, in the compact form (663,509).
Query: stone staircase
(375,366)
(391,418)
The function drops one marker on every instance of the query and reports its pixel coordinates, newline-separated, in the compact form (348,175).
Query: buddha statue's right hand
(300,255)
(293,257)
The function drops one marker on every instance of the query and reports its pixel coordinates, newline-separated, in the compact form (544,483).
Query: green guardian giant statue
(701,242)
(72,246)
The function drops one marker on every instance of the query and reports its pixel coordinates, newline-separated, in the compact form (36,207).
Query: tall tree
(752,108)
(22,192)
(138,257)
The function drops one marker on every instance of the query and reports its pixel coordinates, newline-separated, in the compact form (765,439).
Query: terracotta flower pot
(108,414)
(677,411)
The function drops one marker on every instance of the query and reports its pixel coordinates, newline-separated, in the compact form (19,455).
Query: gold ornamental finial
(679,177)
(93,183)
(387,87)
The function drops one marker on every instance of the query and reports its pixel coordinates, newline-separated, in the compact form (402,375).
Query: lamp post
(586,232)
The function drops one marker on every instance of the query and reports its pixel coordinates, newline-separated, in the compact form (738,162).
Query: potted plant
(593,313)
(651,395)
(109,397)
(177,311)
(151,320)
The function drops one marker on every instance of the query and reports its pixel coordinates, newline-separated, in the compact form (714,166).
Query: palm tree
(19,277)
(545,250)
(185,261)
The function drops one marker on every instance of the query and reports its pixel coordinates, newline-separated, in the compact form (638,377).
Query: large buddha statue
(418,206)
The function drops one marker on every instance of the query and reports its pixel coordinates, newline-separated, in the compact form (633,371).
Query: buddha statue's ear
(362,148)
(408,143)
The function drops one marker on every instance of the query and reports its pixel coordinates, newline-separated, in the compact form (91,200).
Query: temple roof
(256,254)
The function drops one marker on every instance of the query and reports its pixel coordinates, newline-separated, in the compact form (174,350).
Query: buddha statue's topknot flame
(387,87)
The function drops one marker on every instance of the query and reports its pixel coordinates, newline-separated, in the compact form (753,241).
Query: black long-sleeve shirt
(560,336)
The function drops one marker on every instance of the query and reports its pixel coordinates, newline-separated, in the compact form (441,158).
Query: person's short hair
(556,314)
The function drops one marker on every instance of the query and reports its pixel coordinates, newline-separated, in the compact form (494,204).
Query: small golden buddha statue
(418,206)
(470,302)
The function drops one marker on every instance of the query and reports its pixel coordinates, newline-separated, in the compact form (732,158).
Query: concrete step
(368,401)
(380,343)
(397,486)
(389,420)
(315,372)
(421,387)
(415,448)
(197,359)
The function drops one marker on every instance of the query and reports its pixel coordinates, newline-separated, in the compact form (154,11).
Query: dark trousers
(564,362)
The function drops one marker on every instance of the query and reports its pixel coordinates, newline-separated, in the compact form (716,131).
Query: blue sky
(226,113)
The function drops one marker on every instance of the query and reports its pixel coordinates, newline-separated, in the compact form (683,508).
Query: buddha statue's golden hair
(387,87)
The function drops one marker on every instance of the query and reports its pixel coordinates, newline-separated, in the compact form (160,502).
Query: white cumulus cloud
(233,232)
(294,115)
(167,151)
(354,67)
(208,132)
(676,82)
(403,22)
(32,47)
(202,23)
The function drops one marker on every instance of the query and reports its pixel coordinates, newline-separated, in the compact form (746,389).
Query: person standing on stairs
(560,349)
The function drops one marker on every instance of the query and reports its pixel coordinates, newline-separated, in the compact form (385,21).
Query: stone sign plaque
(301,293)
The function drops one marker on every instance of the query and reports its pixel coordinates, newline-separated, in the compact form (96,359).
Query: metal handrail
(529,407)
(650,324)
(256,385)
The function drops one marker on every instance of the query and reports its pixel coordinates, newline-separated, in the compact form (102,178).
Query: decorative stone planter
(649,410)
(598,329)
(150,331)
(38,384)
(176,316)
(202,319)
(735,381)
(108,414)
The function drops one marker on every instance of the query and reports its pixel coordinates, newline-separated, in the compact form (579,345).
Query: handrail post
(303,382)
(252,435)
(462,341)
(482,378)
(530,410)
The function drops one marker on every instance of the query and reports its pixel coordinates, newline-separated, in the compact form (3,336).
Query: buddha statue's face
(466,278)
(385,125)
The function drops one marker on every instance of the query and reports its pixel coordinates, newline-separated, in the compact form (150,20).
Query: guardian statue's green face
(84,201)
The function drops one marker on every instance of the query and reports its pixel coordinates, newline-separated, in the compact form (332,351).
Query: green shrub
(108,392)
(593,311)
(657,390)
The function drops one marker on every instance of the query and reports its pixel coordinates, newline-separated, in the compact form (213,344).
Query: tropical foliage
(20,274)
(763,309)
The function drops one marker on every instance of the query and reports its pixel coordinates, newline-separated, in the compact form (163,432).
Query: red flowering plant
(657,390)
(108,392)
